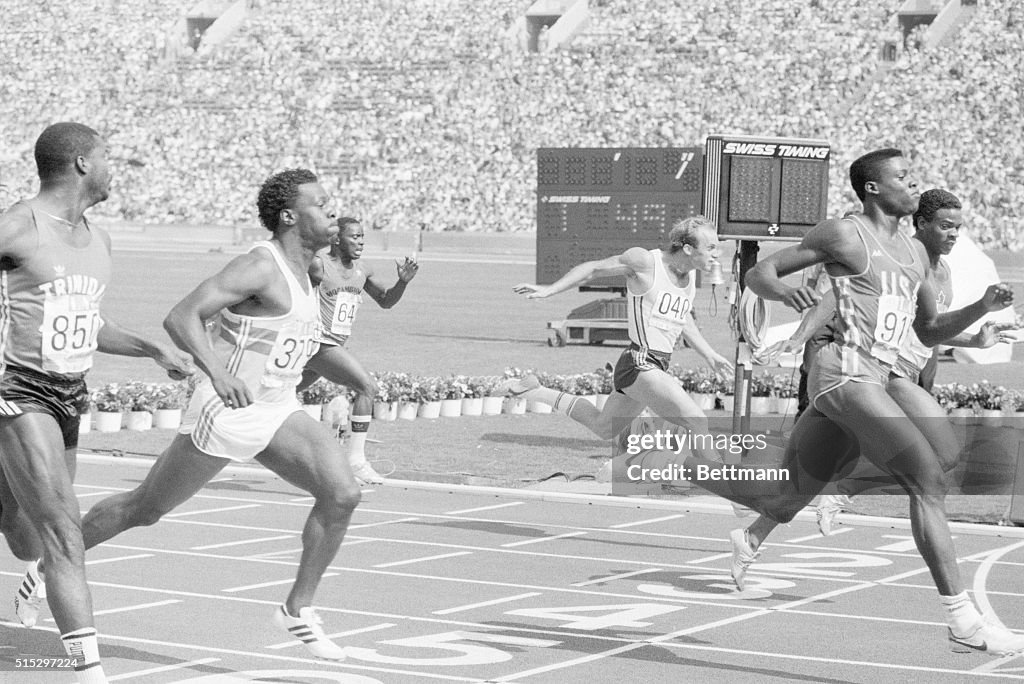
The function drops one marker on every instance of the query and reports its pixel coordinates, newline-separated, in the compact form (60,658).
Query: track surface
(447,583)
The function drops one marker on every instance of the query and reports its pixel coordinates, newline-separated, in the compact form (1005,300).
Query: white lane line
(383,522)
(337,635)
(98,561)
(622,526)
(980,586)
(275,583)
(602,580)
(493,602)
(541,539)
(99,493)
(212,510)
(164,668)
(423,559)
(125,609)
(243,541)
(485,508)
(818,537)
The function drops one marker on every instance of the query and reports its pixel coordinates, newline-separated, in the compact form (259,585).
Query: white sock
(81,645)
(961,614)
(357,439)
(559,400)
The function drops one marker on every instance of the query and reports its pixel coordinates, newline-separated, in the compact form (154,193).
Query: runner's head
(696,239)
(349,243)
(883,178)
(938,221)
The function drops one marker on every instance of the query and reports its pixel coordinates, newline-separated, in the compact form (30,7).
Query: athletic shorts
(835,365)
(65,397)
(326,337)
(633,362)
(236,434)
(906,369)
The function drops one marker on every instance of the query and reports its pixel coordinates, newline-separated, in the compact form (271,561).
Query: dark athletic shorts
(64,397)
(634,361)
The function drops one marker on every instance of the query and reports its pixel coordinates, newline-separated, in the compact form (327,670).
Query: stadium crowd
(427,115)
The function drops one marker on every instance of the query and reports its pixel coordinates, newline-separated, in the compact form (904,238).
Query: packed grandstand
(424,115)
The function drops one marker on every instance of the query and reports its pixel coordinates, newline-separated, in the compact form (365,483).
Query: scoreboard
(593,203)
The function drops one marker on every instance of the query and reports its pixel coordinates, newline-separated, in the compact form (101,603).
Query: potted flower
(494,397)
(961,401)
(385,401)
(140,404)
(726,394)
(603,380)
(109,401)
(453,390)
(761,387)
(428,396)
(990,403)
(169,400)
(785,393)
(406,389)
(514,405)
(473,400)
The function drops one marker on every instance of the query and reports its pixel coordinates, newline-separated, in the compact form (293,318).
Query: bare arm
(245,277)
(388,297)
(115,339)
(933,328)
(719,363)
(629,263)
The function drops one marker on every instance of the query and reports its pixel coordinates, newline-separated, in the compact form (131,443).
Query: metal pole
(744,364)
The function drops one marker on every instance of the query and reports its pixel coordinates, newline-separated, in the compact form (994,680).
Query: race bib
(669,311)
(71,326)
(345,312)
(892,327)
(294,346)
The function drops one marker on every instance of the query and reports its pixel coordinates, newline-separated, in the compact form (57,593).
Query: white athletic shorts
(236,434)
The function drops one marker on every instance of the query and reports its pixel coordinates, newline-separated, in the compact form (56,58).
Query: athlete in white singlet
(660,287)
(869,259)
(341,278)
(246,407)
(54,271)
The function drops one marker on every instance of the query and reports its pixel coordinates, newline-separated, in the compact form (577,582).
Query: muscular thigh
(36,465)
(338,365)
(664,395)
(304,454)
(930,418)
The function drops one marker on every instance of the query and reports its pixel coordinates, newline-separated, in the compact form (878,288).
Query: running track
(443,583)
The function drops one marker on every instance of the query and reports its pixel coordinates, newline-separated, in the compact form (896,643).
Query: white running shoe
(307,629)
(989,636)
(829,506)
(517,387)
(743,556)
(365,474)
(30,595)
(741,511)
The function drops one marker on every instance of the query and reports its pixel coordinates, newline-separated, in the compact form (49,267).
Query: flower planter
(429,409)
(492,406)
(602,399)
(385,410)
(138,420)
(167,419)
(473,406)
(514,405)
(451,408)
(728,402)
(538,407)
(314,411)
(787,406)
(106,421)
(960,414)
(407,410)
(760,406)
(84,423)
(991,417)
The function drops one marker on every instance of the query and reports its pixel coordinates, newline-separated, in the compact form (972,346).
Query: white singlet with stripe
(656,317)
(268,353)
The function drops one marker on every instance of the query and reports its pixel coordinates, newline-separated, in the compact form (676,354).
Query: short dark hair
(868,168)
(60,145)
(279,192)
(684,232)
(932,201)
(345,221)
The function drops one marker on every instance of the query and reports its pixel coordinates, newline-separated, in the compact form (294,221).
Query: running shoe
(365,474)
(829,506)
(30,595)
(306,628)
(990,635)
(743,556)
